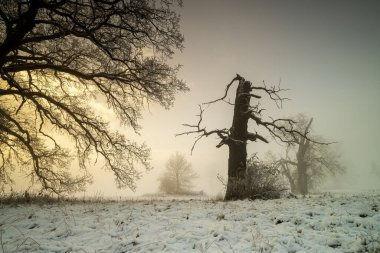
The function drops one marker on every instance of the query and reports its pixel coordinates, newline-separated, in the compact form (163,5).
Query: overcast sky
(326,52)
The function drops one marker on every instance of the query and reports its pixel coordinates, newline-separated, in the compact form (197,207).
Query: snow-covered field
(319,223)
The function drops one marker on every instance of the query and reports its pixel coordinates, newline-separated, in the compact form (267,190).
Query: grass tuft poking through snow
(317,223)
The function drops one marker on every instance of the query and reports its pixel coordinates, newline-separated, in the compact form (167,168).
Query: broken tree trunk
(237,160)
(287,173)
(302,166)
(302,178)
(237,136)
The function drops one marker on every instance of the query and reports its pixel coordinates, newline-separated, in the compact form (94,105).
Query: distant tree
(57,59)
(305,163)
(375,169)
(178,176)
(237,136)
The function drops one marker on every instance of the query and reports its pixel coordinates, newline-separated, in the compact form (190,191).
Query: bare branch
(282,130)
(237,78)
(272,92)
(223,134)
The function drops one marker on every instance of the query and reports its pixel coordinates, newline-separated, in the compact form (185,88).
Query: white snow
(333,222)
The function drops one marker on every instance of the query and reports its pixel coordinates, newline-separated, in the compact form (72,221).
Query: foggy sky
(326,52)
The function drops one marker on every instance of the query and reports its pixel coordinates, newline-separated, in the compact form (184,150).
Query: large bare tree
(56,58)
(306,163)
(237,136)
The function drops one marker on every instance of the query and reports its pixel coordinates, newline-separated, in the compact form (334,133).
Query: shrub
(263,180)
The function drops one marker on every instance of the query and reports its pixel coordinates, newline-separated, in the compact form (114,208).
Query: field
(330,222)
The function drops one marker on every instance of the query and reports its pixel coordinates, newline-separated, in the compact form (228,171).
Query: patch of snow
(333,222)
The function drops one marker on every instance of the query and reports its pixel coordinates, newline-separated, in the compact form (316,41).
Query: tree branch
(223,134)
(237,78)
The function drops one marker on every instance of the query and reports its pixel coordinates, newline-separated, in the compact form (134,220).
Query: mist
(326,54)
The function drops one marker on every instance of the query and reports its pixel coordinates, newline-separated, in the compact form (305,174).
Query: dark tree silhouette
(178,176)
(306,163)
(56,59)
(237,136)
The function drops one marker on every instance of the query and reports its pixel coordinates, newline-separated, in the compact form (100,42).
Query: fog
(327,53)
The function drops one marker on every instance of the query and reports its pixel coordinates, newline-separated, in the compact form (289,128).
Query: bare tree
(237,136)
(178,176)
(56,59)
(307,163)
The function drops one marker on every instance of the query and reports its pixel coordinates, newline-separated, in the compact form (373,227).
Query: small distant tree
(307,163)
(178,176)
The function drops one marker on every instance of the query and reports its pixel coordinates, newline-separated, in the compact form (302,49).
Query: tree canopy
(59,58)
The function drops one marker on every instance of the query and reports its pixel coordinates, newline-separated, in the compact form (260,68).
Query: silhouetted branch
(237,78)
(202,132)
(272,92)
(280,129)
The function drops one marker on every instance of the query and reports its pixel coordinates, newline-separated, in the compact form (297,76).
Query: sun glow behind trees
(329,64)
(58,57)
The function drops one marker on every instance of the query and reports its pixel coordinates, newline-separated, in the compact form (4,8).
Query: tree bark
(237,161)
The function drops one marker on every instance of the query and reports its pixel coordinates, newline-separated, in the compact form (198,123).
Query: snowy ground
(320,223)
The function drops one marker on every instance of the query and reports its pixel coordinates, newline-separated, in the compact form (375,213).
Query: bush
(263,180)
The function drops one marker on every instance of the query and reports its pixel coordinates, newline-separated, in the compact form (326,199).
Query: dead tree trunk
(237,160)
(302,178)
(286,172)
(237,136)
(303,148)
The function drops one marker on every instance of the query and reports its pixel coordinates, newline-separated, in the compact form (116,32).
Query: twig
(26,239)
(221,179)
